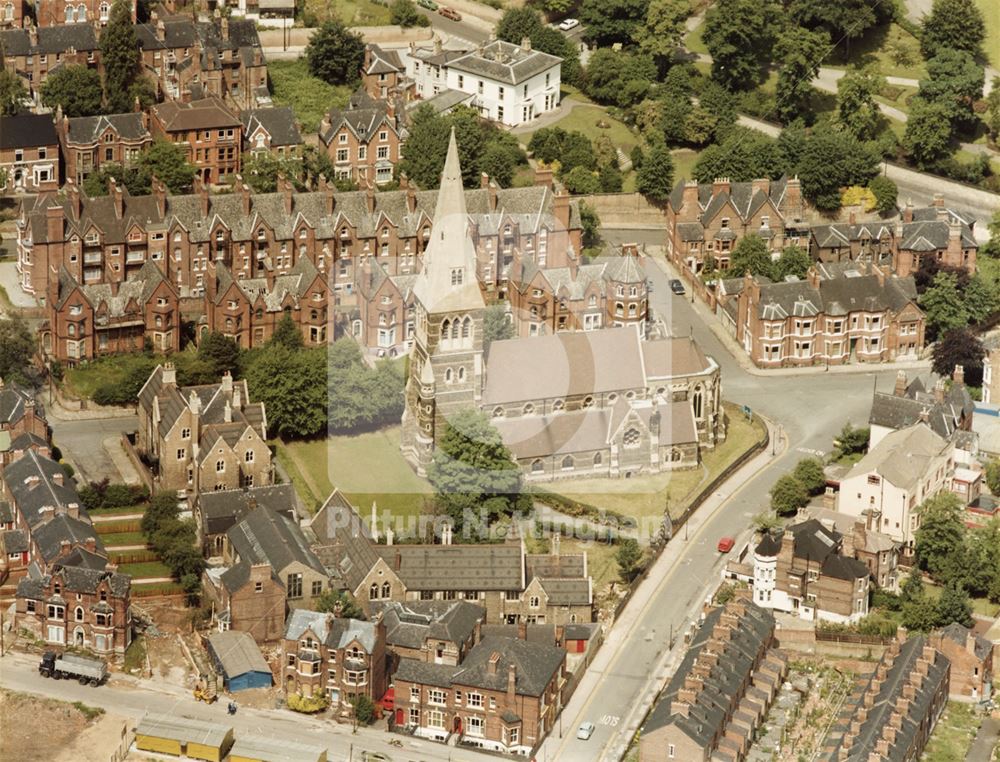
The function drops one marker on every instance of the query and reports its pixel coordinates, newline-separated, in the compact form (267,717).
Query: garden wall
(625,210)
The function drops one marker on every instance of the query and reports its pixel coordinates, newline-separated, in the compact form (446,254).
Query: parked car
(677,287)
(585,731)
(568,24)
(726,544)
(428,4)
(450,13)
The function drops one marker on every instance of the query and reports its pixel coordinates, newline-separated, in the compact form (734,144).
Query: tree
(135,179)
(335,54)
(857,109)
(287,334)
(920,614)
(663,29)
(581,181)
(738,35)
(426,147)
(719,103)
(611,21)
(292,384)
(546,144)
(13,93)
(943,304)
(497,325)
(927,139)
(941,536)
(339,603)
(162,509)
(960,346)
(832,160)
(913,586)
(954,606)
(618,78)
(800,53)
(609,177)
(751,256)
(844,20)
(954,79)
(742,156)
(981,298)
(788,495)
(120,58)
(76,88)
(793,261)
(472,473)
(851,440)
(628,556)
(809,472)
(405,13)
(497,162)
(168,162)
(364,709)
(655,178)
(990,117)
(952,25)
(261,170)
(17,349)
(993,476)
(591,225)
(221,351)
(886,194)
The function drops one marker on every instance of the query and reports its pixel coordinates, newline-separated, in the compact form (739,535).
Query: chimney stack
(227,382)
(511,680)
(939,390)
(238,396)
(958,376)
(900,389)
(159,190)
(329,197)
(908,211)
(116,194)
(370,197)
(525,44)
(73,191)
(285,187)
(169,374)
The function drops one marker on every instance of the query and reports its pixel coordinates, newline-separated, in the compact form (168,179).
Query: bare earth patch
(22,715)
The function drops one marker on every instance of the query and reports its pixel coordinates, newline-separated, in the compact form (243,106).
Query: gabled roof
(456,567)
(51,39)
(221,509)
(902,457)
(86,129)
(333,632)
(383,61)
(343,543)
(960,634)
(203,114)
(277,121)
(363,115)
(34,484)
(13,400)
(115,300)
(27,131)
(410,624)
(943,415)
(268,537)
(237,653)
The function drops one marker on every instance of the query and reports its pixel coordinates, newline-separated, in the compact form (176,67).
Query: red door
(458,725)
(400,718)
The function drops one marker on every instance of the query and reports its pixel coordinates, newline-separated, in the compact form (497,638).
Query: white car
(585,731)
(567,24)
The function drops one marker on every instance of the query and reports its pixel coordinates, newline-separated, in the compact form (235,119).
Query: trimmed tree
(954,606)
(655,178)
(954,25)
(17,348)
(335,54)
(751,256)
(788,495)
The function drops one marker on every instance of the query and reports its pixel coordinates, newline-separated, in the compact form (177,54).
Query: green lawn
(117,539)
(991,14)
(585,119)
(146,569)
(83,380)
(695,42)
(128,510)
(351,12)
(893,50)
(953,734)
(648,495)
(310,98)
(981,606)
(348,462)
(684,161)
(897,96)
(601,561)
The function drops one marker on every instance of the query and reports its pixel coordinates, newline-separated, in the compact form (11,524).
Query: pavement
(130,698)
(985,741)
(10,283)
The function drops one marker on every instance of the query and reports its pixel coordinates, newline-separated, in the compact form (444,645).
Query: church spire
(448,280)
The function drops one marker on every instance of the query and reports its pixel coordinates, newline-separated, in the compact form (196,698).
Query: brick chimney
(202,193)
(511,680)
(543,176)
(522,630)
(286,191)
(720,185)
(329,197)
(491,190)
(681,708)
(370,197)
(901,384)
(491,665)
(762,184)
(908,211)
(560,210)
(32,33)
(73,193)
(939,200)
(958,375)
(793,199)
(812,276)
(159,190)
(939,390)
(398,561)
(411,199)
(57,477)
(525,44)
(116,194)
(224,24)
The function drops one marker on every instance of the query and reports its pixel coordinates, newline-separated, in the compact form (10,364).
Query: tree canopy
(952,25)
(941,536)
(655,178)
(168,162)
(960,346)
(120,58)
(739,35)
(750,256)
(12,93)
(857,109)
(788,495)
(611,21)
(335,54)
(76,88)
(799,52)
(17,349)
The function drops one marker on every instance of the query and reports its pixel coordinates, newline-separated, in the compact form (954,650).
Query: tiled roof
(410,624)
(207,113)
(277,121)
(221,509)
(12,403)
(343,543)
(268,537)
(363,115)
(456,567)
(27,131)
(86,129)
(902,457)
(944,417)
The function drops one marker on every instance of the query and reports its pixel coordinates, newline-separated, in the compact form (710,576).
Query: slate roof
(932,235)
(51,39)
(363,115)
(505,62)
(443,101)
(221,509)
(291,284)
(278,121)
(14,541)
(334,632)
(944,417)
(724,682)
(383,61)
(456,567)
(131,296)
(237,653)
(12,403)
(87,129)
(343,543)
(744,198)
(959,634)
(27,131)
(32,481)
(837,296)
(75,579)
(409,624)
(50,535)
(205,113)
(268,537)
(902,457)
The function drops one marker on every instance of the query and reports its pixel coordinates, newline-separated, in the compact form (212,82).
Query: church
(603,402)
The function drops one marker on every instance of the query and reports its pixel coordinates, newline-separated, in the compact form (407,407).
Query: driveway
(86,443)
(10,283)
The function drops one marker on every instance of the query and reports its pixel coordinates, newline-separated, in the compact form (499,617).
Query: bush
(307,704)
(364,709)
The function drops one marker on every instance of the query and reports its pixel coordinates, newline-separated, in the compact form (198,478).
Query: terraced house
(210,134)
(202,438)
(31,53)
(840,314)
(22,424)
(54,12)
(29,154)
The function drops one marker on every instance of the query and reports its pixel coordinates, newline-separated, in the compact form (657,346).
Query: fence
(140,468)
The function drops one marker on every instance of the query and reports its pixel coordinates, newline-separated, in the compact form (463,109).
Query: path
(97,517)
(986,739)
(549,117)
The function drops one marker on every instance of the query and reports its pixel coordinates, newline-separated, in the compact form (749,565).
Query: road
(124,697)
(811,410)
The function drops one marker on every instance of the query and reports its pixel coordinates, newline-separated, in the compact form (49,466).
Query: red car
(450,13)
(726,544)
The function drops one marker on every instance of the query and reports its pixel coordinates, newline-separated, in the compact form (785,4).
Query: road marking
(610,719)
(809,451)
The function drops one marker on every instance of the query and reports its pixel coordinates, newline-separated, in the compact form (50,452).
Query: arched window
(105,10)
(498,412)
(558,405)
(70,14)
(220,466)
(528,409)
(537,466)
(461,374)
(79,614)
(386,590)
(448,376)
(567,463)
(8,12)
(630,395)
(588,401)
(699,395)
(598,459)
(631,438)
(467,332)
(81,12)
(373,592)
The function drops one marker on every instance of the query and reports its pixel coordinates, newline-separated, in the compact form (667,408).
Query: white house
(510,84)
(905,468)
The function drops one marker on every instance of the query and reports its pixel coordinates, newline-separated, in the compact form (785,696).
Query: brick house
(721,691)
(22,424)
(91,321)
(269,569)
(207,130)
(971,657)
(894,712)
(805,570)
(383,74)
(340,658)
(504,696)
(31,53)
(840,314)
(271,130)
(436,632)
(12,13)
(509,583)
(90,142)
(29,154)
(219,511)
(364,139)
(202,438)
(384,319)
(707,220)
(77,606)
(946,408)
(55,12)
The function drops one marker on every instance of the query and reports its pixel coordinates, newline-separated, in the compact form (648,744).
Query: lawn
(897,96)
(351,12)
(585,119)
(982,606)
(647,496)
(684,161)
(146,569)
(991,14)
(316,466)
(310,98)
(601,561)
(695,42)
(128,510)
(953,734)
(83,380)
(118,539)
(893,50)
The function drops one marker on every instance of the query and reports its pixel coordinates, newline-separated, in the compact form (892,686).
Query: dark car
(677,287)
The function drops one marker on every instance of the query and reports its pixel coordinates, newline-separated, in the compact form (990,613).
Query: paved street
(123,697)
(810,410)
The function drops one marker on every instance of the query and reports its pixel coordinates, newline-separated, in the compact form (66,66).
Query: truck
(73,667)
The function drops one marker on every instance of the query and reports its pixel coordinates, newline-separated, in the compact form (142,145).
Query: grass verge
(954,733)
(351,12)
(135,654)
(118,539)
(146,569)
(991,15)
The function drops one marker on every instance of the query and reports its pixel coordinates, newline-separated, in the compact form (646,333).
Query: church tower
(446,366)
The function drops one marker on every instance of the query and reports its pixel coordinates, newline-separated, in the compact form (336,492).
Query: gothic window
(675,455)
(498,412)
(537,466)
(528,409)
(558,405)
(461,374)
(79,614)
(631,438)
(386,590)
(69,14)
(373,592)
(466,330)
(81,12)
(567,463)
(448,376)
(698,401)
(598,459)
